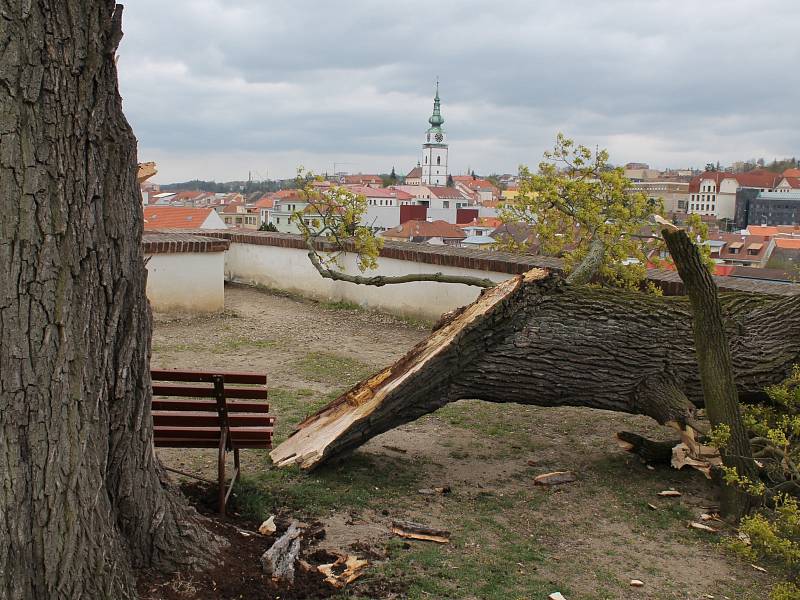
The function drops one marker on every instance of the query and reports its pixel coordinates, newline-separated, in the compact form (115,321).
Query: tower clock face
(439,137)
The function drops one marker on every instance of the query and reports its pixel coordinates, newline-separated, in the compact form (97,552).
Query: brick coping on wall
(171,242)
(492,260)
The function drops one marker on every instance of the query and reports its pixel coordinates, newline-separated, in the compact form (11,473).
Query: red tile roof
(443,192)
(265,202)
(425,229)
(162,217)
(752,179)
(769,230)
(414,173)
(791,173)
(788,243)
(492,222)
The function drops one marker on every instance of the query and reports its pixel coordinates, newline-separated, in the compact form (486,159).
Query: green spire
(436,119)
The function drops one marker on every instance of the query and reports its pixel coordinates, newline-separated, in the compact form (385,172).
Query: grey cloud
(671,82)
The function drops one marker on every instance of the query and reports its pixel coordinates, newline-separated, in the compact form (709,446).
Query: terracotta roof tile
(425,229)
(161,217)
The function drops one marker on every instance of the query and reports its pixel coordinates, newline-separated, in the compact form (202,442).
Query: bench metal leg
(223,438)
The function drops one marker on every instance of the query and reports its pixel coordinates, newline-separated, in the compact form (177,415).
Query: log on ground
(536,340)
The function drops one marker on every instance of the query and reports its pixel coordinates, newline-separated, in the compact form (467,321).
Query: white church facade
(433,170)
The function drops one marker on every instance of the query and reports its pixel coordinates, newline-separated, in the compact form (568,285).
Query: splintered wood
(344,570)
(352,418)
(417,531)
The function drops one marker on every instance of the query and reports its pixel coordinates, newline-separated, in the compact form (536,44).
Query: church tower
(434,150)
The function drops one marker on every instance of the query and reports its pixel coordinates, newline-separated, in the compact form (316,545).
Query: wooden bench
(227,411)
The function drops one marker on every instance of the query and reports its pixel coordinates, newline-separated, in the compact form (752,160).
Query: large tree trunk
(536,340)
(82,499)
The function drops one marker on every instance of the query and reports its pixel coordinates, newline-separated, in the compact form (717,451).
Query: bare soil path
(510,539)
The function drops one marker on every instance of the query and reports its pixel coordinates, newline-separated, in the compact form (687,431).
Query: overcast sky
(217,88)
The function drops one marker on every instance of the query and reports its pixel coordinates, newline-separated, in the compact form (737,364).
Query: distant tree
(710,167)
(494,178)
(585,212)
(268,227)
(473,174)
(390,179)
(450,182)
(760,163)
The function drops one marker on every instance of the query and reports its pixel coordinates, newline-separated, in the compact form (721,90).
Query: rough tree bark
(715,365)
(537,340)
(82,498)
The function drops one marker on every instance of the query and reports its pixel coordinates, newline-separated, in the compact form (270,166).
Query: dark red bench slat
(209,405)
(191,391)
(201,419)
(206,377)
(210,433)
(166,442)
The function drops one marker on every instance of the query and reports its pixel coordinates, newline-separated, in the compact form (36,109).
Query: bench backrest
(192,408)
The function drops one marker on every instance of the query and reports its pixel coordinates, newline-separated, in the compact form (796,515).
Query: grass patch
(225,345)
(341,305)
(509,422)
(292,406)
(362,482)
(331,368)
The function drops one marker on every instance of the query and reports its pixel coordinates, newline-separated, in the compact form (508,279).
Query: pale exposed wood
(554,478)
(418,531)
(279,561)
(146,171)
(344,570)
(309,443)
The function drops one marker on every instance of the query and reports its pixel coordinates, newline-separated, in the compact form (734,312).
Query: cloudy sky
(217,88)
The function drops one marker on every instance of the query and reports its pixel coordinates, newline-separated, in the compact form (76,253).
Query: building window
(438,160)
(445,204)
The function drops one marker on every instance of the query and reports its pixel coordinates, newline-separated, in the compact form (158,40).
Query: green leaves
(335,214)
(576,197)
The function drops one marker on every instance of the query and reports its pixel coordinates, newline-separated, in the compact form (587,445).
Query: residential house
(179,217)
(241,216)
(429,232)
(673,194)
(482,226)
(714,193)
(414,176)
(286,203)
(373,181)
(740,250)
(786,256)
(446,197)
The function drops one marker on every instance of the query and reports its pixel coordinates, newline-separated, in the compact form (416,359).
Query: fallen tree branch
(652,451)
(535,340)
(381,280)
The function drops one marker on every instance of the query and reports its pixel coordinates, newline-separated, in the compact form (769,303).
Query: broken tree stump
(536,340)
(278,562)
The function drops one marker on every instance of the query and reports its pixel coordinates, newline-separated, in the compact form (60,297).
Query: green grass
(332,368)
(363,482)
(220,347)
(341,305)
(292,406)
(508,422)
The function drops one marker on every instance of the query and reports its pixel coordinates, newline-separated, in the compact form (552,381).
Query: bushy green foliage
(773,533)
(336,213)
(577,197)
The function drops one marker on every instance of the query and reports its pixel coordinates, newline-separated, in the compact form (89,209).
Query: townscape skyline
(214,90)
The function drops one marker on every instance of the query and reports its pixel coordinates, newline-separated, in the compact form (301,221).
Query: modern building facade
(754,207)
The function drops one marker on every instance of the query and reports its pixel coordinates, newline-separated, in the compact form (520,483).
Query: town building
(640,172)
(754,207)
(714,193)
(180,217)
(430,232)
(674,194)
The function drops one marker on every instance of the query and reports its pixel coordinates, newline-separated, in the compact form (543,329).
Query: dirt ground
(510,539)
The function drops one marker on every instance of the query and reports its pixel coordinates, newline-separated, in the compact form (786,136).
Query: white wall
(289,269)
(384,217)
(186,282)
